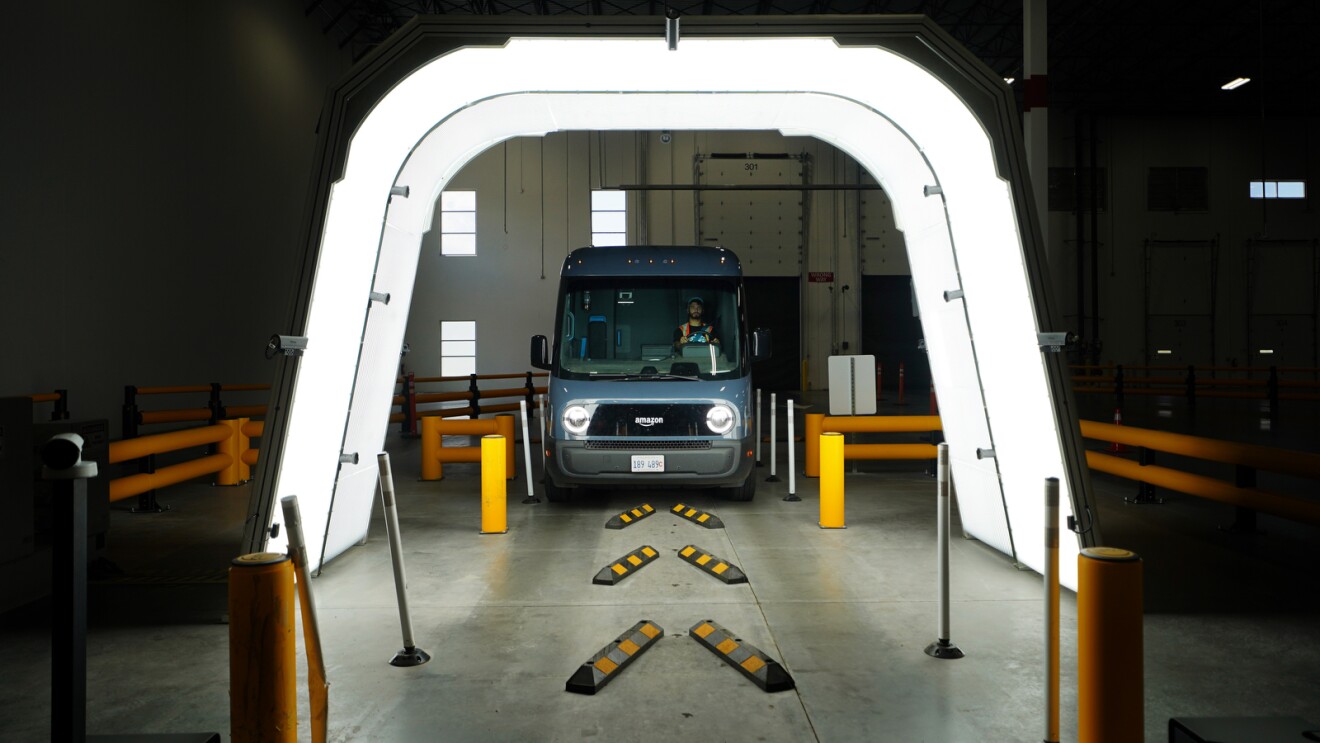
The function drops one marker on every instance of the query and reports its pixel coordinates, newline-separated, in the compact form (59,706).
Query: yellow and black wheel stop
(763,670)
(700,518)
(592,676)
(625,566)
(722,569)
(630,517)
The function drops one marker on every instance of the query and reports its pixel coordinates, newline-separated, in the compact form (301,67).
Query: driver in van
(695,330)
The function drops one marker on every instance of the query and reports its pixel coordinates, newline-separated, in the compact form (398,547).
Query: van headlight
(720,418)
(576,419)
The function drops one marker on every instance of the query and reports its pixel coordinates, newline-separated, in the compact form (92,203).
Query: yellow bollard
(230,447)
(815,422)
(431,449)
(263,698)
(831,481)
(493,487)
(504,427)
(1109,647)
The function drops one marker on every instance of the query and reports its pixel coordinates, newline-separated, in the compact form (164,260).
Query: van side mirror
(540,352)
(760,344)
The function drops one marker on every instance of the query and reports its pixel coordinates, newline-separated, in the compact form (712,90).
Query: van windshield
(649,329)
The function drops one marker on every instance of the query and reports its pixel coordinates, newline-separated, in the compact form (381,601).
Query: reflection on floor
(1231,624)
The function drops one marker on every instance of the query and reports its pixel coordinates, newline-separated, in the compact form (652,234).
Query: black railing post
(130,426)
(1244,519)
(61,411)
(1118,387)
(1145,491)
(474,396)
(69,609)
(932,465)
(409,405)
(1273,389)
(217,409)
(128,423)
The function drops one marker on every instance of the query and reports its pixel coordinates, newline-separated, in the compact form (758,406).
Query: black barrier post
(1191,385)
(63,467)
(68,698)
(932,465)
(1273,387)
(409,406)
(531,392)
(1118,386)
(1145,491)
(61,411)
(1244,519)
(217,409)
(128,424)
(474,394)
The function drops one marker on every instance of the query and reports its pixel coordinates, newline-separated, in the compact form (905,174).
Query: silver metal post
(410,655)
(317,686)
(298,551)
(1052,610)
(773,448)
(792,457)
(943,648)
(527,454)
(758,427)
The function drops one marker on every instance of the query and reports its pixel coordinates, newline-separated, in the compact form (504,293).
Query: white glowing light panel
(900,122)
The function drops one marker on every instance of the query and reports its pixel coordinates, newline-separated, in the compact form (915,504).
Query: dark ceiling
(1105,56)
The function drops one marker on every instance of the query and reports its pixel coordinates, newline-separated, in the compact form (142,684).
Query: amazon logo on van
(648,422)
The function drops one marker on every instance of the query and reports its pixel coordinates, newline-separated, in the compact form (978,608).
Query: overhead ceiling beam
(334,20)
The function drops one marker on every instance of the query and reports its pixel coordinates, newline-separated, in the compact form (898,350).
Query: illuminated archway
(947,170)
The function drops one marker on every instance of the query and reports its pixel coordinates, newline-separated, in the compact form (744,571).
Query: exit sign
(821,277)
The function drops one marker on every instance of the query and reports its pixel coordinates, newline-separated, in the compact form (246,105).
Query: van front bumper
(699,463)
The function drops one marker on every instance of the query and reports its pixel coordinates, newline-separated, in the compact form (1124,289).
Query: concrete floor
(1231,620)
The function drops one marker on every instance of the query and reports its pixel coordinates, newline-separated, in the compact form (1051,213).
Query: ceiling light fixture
(1235,84)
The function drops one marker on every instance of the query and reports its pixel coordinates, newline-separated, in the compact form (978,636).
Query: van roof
(652,260)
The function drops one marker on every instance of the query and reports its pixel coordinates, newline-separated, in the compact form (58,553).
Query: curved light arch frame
(424,127)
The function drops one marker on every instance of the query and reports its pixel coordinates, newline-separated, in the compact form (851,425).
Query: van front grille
(650,444)
(661,420)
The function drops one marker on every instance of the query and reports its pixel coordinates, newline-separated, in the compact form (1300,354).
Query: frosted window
(1278,189)
(459,366)
(458,223)
(609,201)
(1292,189)
(609,218)
(458,348)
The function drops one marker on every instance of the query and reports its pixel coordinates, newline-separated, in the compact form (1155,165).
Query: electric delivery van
(642,391)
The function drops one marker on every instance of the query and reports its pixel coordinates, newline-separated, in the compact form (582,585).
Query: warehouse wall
(533,207)
(156,163)
(1230,151)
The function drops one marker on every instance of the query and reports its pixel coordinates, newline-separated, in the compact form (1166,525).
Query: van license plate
(648,463)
